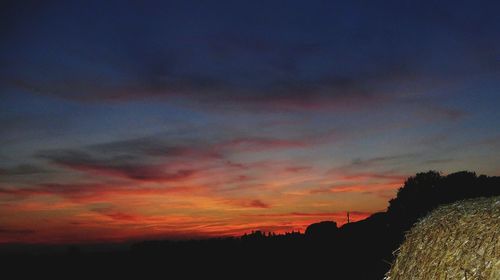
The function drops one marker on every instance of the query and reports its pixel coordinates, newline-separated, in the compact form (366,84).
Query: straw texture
(456,241)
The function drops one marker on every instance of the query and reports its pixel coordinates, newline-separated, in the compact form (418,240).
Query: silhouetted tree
(322,230)
(425,191)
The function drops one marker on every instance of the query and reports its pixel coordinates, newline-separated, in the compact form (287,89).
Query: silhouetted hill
(358,250)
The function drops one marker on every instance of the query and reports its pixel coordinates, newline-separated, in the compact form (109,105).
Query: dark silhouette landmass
(356,250)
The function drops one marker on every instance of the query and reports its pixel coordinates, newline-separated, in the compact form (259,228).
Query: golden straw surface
(455,241)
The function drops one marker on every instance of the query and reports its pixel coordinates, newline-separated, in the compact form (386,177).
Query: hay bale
(456,241)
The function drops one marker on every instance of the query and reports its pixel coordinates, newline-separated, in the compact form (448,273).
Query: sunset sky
(128,120)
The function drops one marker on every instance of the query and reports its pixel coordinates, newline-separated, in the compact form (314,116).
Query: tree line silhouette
(356,250)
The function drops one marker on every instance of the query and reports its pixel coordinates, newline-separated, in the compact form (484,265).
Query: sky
(125,120)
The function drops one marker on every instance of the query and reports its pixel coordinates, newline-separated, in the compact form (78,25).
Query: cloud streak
(252,70)
(91,193)
(122,167)
(22,169)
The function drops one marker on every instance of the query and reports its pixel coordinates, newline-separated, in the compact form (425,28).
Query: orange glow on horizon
(212,202)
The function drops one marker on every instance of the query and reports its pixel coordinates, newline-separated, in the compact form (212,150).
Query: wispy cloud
(16,231)
(119,166)
(258,204)
(261,144)
(91,193)
(22,169)
(370,162)
(366,188)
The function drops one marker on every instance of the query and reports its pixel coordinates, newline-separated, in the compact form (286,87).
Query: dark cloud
(261,144)
(189,147)
(90,192)
(439,161)
(298,169)
(340,92)
(370,162)
(162,159)
(337,54)
(159,146)
(22,169)
(387,175)
(110,212)
(123,166)
(67,190)
(15,231)
(258,204)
